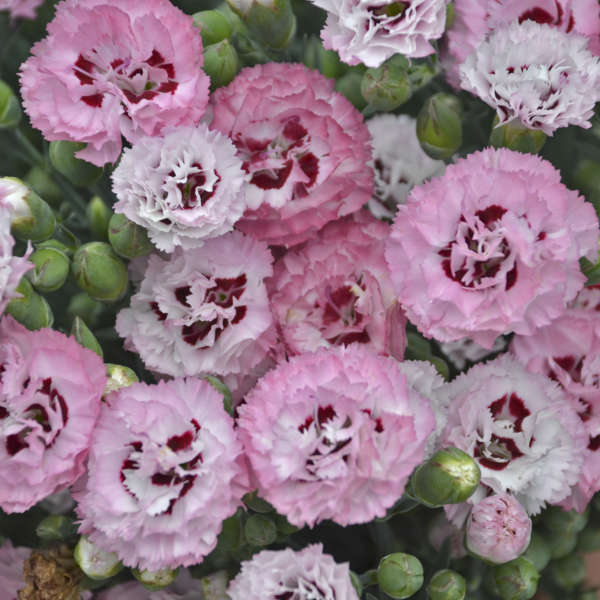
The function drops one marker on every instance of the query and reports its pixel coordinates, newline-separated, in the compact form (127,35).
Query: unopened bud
(77,171)
(326,61)
(447,585)
(98,215)
(450,476)
(95,562)
(30,309)
(568,572)
(388,86)
(81,332)
(560,521)
(155,580)
(260,530)
(56,527)
(439,126)
(10,109)
(349,86)
(271,22)
(516,580)
(127,238)
(400,575)
(51,269)
(221,63)
(538,551)
(81,305)
(43,185)
(117,377)
(515,136)
(214,26)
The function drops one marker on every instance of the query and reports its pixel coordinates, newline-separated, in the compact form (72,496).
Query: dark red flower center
(542,16)
(193,189)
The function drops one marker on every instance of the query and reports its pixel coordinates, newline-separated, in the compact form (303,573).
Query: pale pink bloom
(183,188)
(498,529)
(543,77)
(302,575)
(50,391)
(112,68)
(524,435)
(203,311)
(164,471)
(475,19)
(336,290)
(304,147)
(371,31)
(490,247)
(334,435)
(21,8)
(11,569)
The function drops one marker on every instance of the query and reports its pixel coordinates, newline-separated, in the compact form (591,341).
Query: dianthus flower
(302,575)
(475,19)
(163,473)
(21,8)
(490,247)
(336,290)
(112,68)
(371,31)
(334,435)
(568,351)
(544,77)
(183,188)
(50,390)
(304,147)
(524,435)
(204,310)
(399,162)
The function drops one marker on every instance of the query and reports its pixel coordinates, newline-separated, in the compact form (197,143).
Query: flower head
(112,68)
(334,435)
(163,473)
(544,77)
(490,247)
(50,390)
(304,147)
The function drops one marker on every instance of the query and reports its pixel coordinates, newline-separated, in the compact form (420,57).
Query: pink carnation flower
(112,68)
(184,188)
(50,390)
(304,146)
(164,471)
(334,435)
(525,437)
(544,77)
(11,570)
(336,290)
(204,310)
(371,31)
(491,247)
(498,529)
(303,575)
(475,19)
(21,8)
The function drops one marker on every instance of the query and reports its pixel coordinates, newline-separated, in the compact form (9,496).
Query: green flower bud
(326,61)
(227,399)
(562,544)
(447,585)
(41,183)
(98,215)
(81,332)
(81,305)
(538,551)
(349,86)
(254,502)
(214,26)
(118,377)
(421,73)
(439,126)
(10,109)
(271,22)
(77,171)
(127,238)
(561,521)
(388,86)
(155,580)
(515,136)
(56,528)
(589,540)
(230,537)
(260,530)
(400,575)
(450,476)
(100,272)
(95,562)
(516,580)
(55,245)
(31,309)
(221,63)
(51,269)
(568,572)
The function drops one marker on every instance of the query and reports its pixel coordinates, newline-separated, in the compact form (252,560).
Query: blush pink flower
(490,247)
(302,575)
(112,68)
(21,8)
(498,529)
(164,471)
(203,311)
(336,290)
(304,147)
(371,31)
(50,391)
(11,569)
(334,435)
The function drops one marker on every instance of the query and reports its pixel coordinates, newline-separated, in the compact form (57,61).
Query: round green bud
(81,332)
(155,580)
(589,540)
(388,86)
(230,537)
(515,136)
(56,528)
(41,183)
(30,309)
(349,86)
(81,305)
(447,585)
(214,26)
(98,215)
(260,530)
(568,572)
(77,171)
(516,580)
(127,238)
(95,562)
(450,476)
(117,377)
(439,126)
(538,551)
(562,544)
(51,269)
(221,63)
(99,272)
(400,575)
(557,520)
(10,109)
(273,23)
(326,61)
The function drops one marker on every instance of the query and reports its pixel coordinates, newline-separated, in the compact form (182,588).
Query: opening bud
(98,215)
(127,238)
(388,86)
(118,377)
(515,136)
(270,22)
(400,575)
(31,309)
(260,530)
(10,109)
(439,126)
(221,63)
(81,332)
(155,580)
(51,269)
(214,26)
(516,580)
(78,172)
(95,562)
(568,572)
(447,585)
